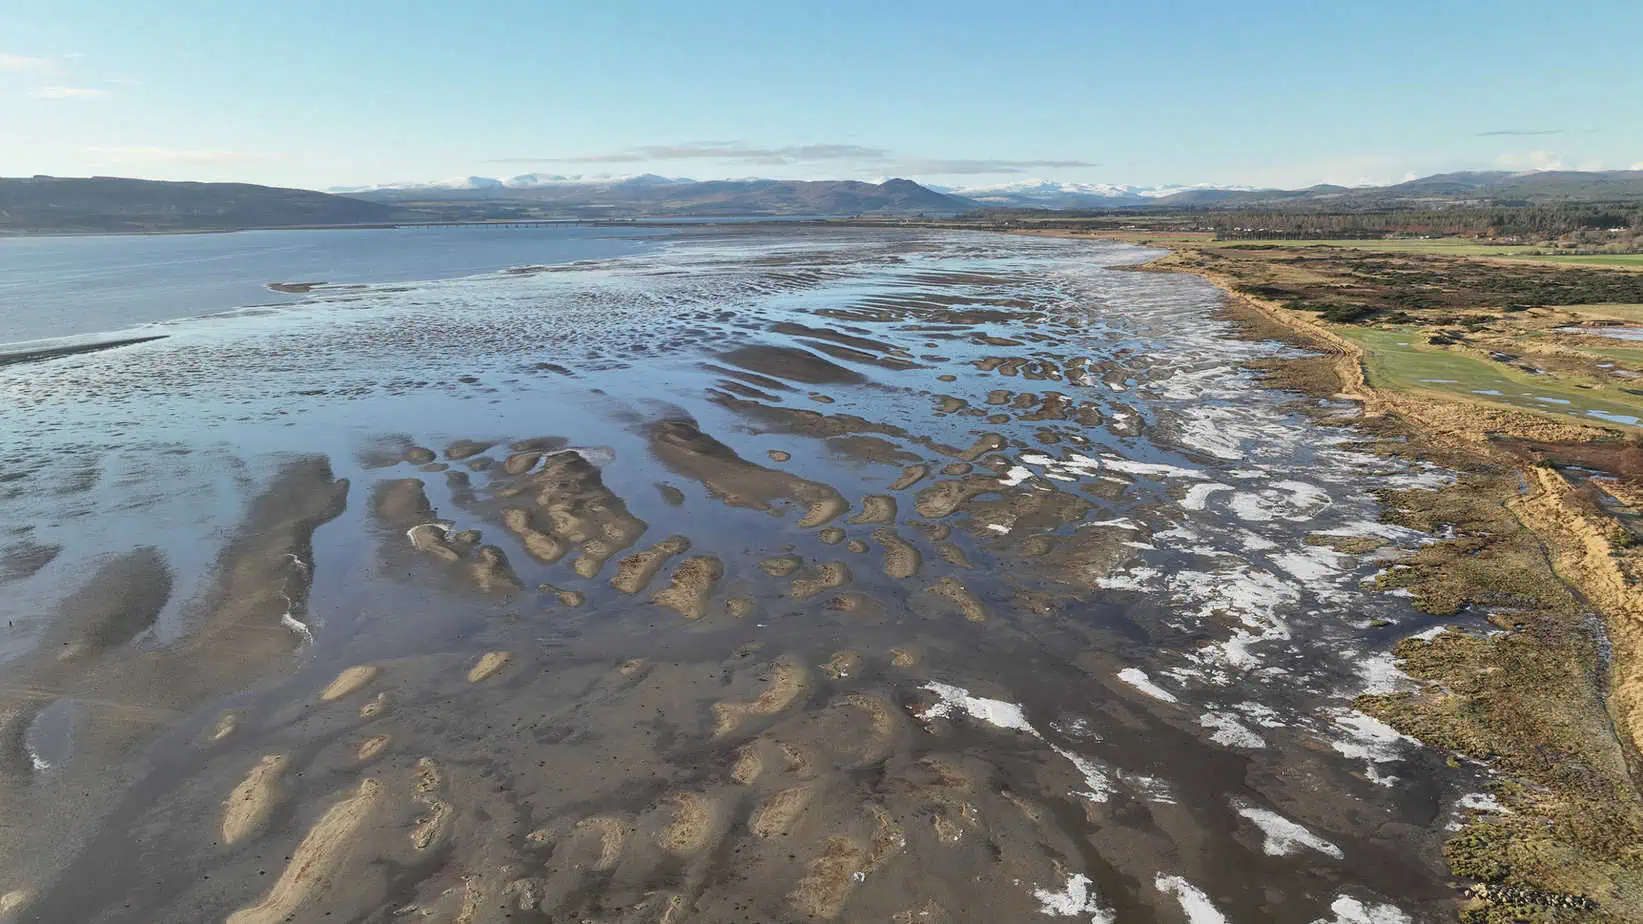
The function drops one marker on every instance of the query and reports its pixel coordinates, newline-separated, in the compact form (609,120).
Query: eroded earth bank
(785,576)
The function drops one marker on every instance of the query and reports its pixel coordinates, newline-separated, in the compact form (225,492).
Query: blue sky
(955,92)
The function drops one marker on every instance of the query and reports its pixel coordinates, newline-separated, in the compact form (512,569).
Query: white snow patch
(1134,579)
(1351,911)
(1481,802)
(1116,522)
(1370,740)
(1095,777)
(1075,898)
(1314,565)
(1249,507)
(1151,788)
(1016,475)
(1132,467)
(1138,679)
(1198,494)
(1196,904)
(1380,674)
(992,711)
(1284,837)
(1229,732)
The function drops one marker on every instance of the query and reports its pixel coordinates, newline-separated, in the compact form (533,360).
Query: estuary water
(699,574)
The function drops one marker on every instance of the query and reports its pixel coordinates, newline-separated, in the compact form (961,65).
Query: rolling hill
(44,204)
(650,196)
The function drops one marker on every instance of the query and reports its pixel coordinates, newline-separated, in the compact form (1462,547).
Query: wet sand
(794,575)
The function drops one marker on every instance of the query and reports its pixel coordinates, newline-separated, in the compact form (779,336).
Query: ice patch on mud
(1075,898)
(1229,732)
(1198,495)
(1003,714)
(1284,837)
(992,711)
(1351,911)
(1132,467)
(1291,500)
(1380,674)
(1138,679)
(1370,740)
(1095,776)
(1016,475)
(1134,579)
(1194,903)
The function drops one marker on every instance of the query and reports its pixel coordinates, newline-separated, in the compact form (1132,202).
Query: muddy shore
(796,574)
(1570,700)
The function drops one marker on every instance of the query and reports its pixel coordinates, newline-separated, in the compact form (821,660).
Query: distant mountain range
(1478,187)
(1051,194)
(45,204)
(649,195)
(108,204)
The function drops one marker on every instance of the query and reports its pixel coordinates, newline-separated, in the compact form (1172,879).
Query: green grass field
(1455,247)
(1399,358)
(1458,247)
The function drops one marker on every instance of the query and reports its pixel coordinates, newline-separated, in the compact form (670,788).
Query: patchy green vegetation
(1399,358)
(1528,703)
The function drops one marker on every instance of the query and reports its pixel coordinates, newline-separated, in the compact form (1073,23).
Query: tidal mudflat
(806,574)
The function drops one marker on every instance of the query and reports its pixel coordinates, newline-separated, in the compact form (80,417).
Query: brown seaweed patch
(541,546)
(350,680)
(782,565)
(876,508)
(901,558)
(785,682)
(691,587)
(691,828)
(371,747)
(830,878)
(489,663)
(778,814)
(953,555)
(491,572)
(685,449)
(314,861)
(636,571)
(910,476)
(961,597)
(252,801)
(822,578)
(944,497)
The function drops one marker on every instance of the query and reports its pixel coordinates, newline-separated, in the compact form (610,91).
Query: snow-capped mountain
(1054,194)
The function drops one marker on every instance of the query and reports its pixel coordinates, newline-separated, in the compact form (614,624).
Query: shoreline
(1577,540)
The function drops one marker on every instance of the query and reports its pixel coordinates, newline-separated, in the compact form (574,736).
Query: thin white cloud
(970,167)
(150,154)
(55,92)
(1520,132)
(24,64)
(878,160)
(715,150)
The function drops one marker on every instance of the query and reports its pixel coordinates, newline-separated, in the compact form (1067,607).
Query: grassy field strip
(1398,359)
(1455,248)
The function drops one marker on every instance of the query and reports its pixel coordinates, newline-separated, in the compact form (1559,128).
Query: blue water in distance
(70,286)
